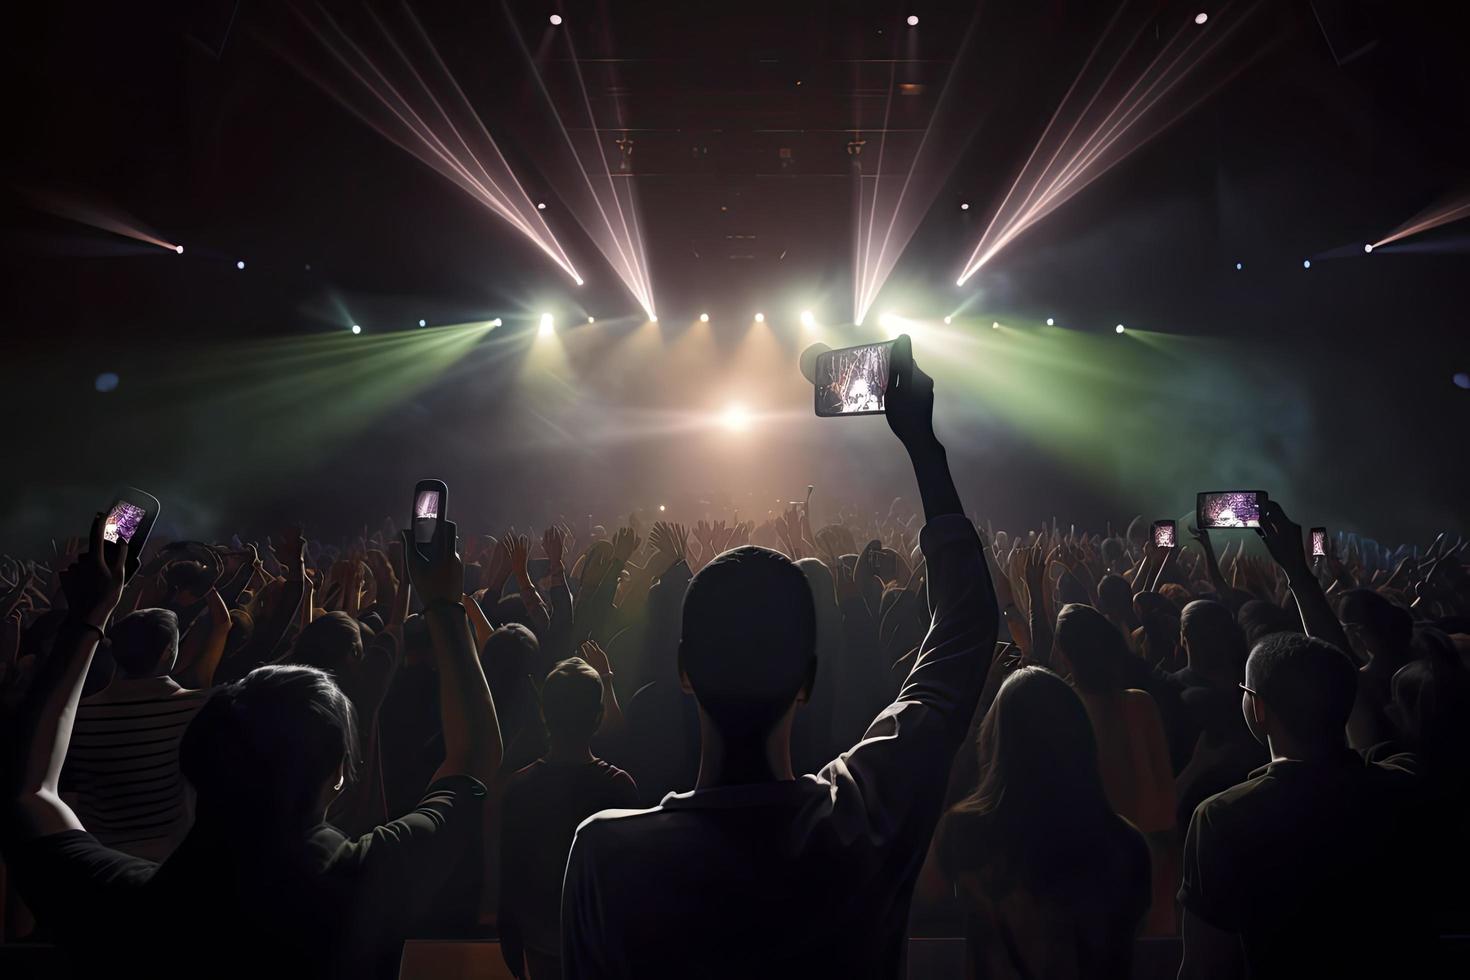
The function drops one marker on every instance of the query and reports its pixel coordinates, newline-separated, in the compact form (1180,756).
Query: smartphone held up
(129,519)
(1319,542)
(1164,534)
(853,380)
(1229,508)
(430,507)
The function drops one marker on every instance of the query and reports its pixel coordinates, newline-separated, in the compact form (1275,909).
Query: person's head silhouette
(145,643)
(747,654)
(1297,695)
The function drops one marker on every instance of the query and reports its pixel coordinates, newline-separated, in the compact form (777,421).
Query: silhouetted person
(543,804)
(756,872)
(1381,634)
(261,886)
(1298,871)
(1053,882)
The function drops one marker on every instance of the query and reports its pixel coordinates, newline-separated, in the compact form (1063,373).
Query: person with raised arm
(261,884)
(757,871)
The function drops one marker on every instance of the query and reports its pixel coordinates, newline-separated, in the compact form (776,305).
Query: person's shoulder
(611,773)
(1230,805)
(616,828)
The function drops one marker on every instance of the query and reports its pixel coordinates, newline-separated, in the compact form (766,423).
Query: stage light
(1368,247)
(653,318)
(1239,266)
(495,322)
(546,325)
(964,205)
(1118,329)
(556,20)
(578,280)
(106,381)
(913,20)
(661,508)
(760,318)
(1461,380)
(808,318)
(948,319)
(1306,263)
(887,320)
(735,418)
(592,319)
(704,318)
(1201,17)
(423,323)
(179,249)
(540,205)
(356,330)
(1051,321)
(240,264)
(994,324)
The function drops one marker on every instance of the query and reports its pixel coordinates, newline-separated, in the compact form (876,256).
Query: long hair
(1097,651)
(1040,795)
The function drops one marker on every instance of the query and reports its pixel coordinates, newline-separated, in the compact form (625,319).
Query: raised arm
(1284,540)
(93,586)
(472,744)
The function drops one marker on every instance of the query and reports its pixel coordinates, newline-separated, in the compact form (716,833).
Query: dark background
(192,118)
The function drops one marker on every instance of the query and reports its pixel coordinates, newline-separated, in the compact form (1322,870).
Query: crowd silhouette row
(741,748)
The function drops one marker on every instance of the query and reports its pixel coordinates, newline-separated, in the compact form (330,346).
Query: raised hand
(625,542)
(1283,538)
(552,540)
(910,398)
(92,584)
(439,577)
(596,657)
(520,552)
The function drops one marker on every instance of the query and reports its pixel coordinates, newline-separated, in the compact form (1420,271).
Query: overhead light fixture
(704,318)
(948,319)
(1051,321)
(423,323)
(913,20)
(356,330)
(1201,17)
(555,20)
(1118,329)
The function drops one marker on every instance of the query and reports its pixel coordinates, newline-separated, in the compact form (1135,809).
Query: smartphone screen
(853,380)
(122,522)
(1164,534)
(1230,508)
(1319,542)
(425,515)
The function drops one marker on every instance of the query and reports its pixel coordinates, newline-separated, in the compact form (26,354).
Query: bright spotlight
(808,318)
(959,282)
(913,20)
(662,508)
(653,318)
(1368,247)
(592,319)
(540,205)
(546,328)
(887,320)
(735,418)
(556,20)
(179,249)
(1306,263)
(423,323)
(964,205)
(578,280)
(1239,266)
(240,264)
(1118,329)
(1051,321)
(948,320)
(994,324)
(356,330)
(704,318)
(1201,17)
(760,318)
(495,322)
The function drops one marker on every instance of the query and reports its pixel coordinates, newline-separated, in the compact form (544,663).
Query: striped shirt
(122,771)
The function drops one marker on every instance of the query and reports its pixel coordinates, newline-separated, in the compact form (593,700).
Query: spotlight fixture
(653,318)
(1239,266)
(1368,247)
(1306,263)
(1051,321)
(179,249)
(1118,329)
(495,322)
(994,324)
(947,320)
(555,20)
(760,318)
(964,205)
(913,20)
(423,323)
(662,508)
(546,325)
(704,318)
(735,418)
(592,319)
(808,318)
(1201,17)
(578,280)
(240,264)
(356,330)
(540,205)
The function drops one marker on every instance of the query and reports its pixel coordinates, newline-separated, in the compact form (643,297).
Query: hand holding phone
(130,519)
(1319,542)
(853,380)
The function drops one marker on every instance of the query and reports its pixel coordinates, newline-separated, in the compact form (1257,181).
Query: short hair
(145,643)
(1094,646)
(1215,639)
(331,642)
(1115,596)
(190,576)
(1259,619)
(571,701)
(1388,621)
(1309,684)
(260,750)
(748,642)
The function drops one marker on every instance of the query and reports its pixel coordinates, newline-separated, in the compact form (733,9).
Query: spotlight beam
(422,124)
(1426,220)
(1073,165)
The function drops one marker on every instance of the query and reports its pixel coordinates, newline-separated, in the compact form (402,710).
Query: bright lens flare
(735,418)
(760,318)
(547,328)
(808,319)
(704,318)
